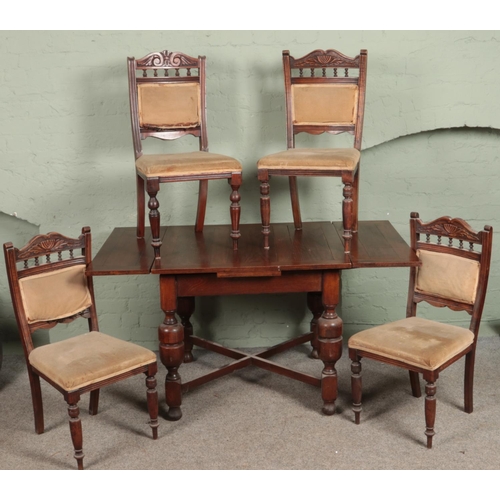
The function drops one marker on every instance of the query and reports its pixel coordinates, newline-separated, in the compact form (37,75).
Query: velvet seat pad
(420,342)
(312,159)
(179,164)
(88,358)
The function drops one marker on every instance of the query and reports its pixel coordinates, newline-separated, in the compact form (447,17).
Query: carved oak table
(205,264)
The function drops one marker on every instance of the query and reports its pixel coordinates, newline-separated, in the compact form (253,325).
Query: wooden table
(205,264)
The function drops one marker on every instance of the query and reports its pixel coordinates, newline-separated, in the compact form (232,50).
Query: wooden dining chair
(167,92)
(324,92)
(48,286)
(455,264)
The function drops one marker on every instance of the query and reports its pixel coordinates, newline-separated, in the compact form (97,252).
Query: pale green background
(430,144)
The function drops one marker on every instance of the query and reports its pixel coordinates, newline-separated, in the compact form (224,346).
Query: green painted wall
(430,144)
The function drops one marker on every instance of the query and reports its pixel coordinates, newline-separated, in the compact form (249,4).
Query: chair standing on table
(322,95)
(454,273)
(167,101)
(48,286)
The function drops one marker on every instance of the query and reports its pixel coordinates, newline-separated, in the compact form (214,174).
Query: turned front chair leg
(152,399)
(75,427)
(356,388)
(347,216)
(430,411)
(265,207)
(235,209)
(154,215)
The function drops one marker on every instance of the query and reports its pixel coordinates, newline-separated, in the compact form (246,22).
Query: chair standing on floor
(321,96)
(48,286)
(454,273)
(167,101)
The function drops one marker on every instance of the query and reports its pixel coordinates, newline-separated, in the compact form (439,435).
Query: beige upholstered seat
(88,359)
(197,163)
(324,93)
(51,287)
(453,273)
(312,159)
(167,93)
(420,342)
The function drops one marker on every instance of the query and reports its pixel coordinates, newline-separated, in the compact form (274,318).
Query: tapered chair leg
(469,381)
(415,384)
(141,206)
(356,389)
(94,402)
(294,196)
(75,426)
(355,202)
(152,398)
(430,411)
(202,205)
(36,397)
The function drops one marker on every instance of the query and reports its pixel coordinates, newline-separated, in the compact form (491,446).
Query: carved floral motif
(452,228)
(166,59)
(47,243)
(325,58)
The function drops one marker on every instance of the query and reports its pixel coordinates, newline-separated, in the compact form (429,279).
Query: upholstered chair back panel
(169,106)
(56,294)
(447,276)
(324,104)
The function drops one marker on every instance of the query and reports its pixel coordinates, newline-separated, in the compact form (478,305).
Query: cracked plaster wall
(430,145)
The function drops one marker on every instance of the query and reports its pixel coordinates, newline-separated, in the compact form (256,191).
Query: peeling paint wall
(18,232)
(430,144)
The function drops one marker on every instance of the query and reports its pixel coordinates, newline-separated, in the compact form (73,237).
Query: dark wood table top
(378,244)
(318,246)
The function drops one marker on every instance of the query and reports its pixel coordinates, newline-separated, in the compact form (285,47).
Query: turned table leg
(330,340)
(171,338)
